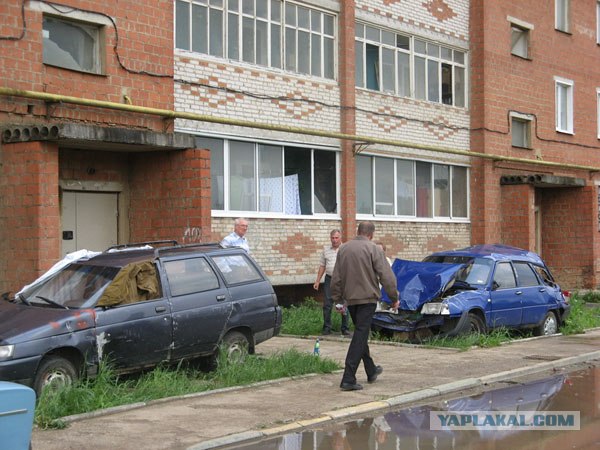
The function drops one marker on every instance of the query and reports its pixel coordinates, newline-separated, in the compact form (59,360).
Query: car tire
(548,326)
(476,324)
(236,346)
(54,371)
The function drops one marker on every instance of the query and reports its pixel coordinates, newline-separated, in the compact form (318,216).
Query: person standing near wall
(326,265)
(359,269)
(238,237)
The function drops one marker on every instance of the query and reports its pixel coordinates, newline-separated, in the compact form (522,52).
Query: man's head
(366,229)
(336,238)
(240,226)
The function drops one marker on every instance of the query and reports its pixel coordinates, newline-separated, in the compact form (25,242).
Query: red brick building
(535,83)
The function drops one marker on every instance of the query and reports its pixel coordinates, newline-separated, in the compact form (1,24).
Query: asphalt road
(411,375)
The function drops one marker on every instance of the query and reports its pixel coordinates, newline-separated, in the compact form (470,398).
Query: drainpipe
(55,98)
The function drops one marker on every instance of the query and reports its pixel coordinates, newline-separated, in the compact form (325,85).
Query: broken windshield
(476,271)
(76,286)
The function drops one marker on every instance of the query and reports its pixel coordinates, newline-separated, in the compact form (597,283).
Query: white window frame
(562,23)
(568,86)
(524,27)
(327,69)
(523,118)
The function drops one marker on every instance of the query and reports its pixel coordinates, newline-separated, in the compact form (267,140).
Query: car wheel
(56,372)
(235,345)
(548,326)
(476,324)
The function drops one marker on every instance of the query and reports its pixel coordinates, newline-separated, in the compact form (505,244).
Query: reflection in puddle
(409,428)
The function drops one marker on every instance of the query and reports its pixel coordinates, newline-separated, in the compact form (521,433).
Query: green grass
(494,338)
(582,317)
(108,390)
(307,319)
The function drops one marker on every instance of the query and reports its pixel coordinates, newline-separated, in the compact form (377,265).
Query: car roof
(496,252)
(122,255)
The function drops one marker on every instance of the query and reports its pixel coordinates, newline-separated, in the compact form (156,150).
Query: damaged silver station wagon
(135,306)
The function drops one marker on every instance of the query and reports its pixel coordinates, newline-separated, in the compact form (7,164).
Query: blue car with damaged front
(474,289)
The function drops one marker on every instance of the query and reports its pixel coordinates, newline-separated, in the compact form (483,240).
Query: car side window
(187,276)
(237,269)
(544,276)
(504,277)
(525,274)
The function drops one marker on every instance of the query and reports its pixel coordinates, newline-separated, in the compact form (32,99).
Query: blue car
(17,408)
(474,289)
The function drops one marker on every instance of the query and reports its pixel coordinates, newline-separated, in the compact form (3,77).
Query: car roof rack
(183,246)
(141,244)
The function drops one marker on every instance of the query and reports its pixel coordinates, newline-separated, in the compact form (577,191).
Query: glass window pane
(441,183)
(270,178)
(199,29)
(290,49)
(372,34)
(328,58)
(519,132)
(325,199)
(459,86)
(315,55)
(420,91)
(372,67)
(216,32)
(384,186)
(328,25)
(447,85)
(459,192)
(217,170)
(303,17)
(182,25)
(303,51)
(359,71)
(248,7)
(315,21)
(262,9)
(364,185)
(403,42)
(233,37)
(420,46)
(405,188)
(233,5)
(242,182)
(433,50)
(275,46)
(459,57)
(446,54)
(359,30)
(423,184)
(525,274)
(276,11)
(504,276)
(298,181)
(433,82)
(290,14)
(248,39)
(403,74)
(389,38)
(388,70)
(262,43)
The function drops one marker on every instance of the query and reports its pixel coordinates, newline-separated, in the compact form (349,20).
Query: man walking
(359,269)
(327,263)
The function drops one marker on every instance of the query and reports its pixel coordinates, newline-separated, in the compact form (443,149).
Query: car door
(505,297)
(200,306)
(536,296)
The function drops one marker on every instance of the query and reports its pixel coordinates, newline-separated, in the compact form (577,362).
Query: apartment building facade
(395,72)
(535,104)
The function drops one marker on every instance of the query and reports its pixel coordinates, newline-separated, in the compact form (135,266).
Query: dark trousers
(328,306)
(358,351)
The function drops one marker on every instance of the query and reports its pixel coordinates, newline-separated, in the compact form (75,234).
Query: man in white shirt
(237,238)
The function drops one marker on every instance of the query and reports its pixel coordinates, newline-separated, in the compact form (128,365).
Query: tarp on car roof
(420,282)
(136,282)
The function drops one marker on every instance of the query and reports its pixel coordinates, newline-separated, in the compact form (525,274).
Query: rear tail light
(566,295)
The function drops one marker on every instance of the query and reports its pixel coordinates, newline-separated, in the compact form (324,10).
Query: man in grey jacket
(359,270)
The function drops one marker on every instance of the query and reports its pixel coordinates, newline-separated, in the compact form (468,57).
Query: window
(520,127)
(564,105)
(192,275)
(562,10)
(504,277)
(267,178)
(271,33)
(526,275)
(72,45)
(409,67)
(237,269)
(396,187)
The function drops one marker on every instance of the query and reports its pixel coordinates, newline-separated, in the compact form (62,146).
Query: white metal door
(90,220)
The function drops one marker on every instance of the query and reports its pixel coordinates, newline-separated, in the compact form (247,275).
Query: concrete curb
(404,399)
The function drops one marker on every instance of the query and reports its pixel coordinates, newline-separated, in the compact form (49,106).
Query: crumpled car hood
(20,323)
(421,282)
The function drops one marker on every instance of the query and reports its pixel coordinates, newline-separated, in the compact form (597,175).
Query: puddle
(409,428)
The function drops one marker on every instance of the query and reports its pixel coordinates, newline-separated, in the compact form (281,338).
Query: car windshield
(476,271)
(76,286)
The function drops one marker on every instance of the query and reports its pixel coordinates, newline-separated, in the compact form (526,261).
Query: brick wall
(170,196)
(517,205)
(29,212)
